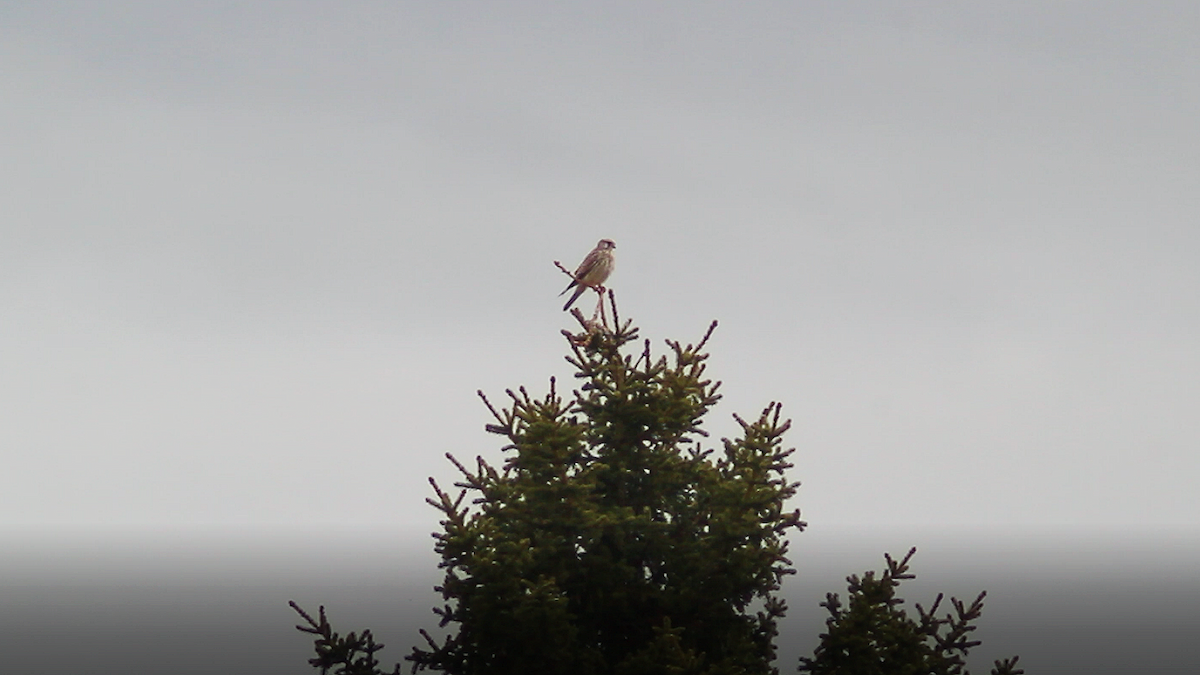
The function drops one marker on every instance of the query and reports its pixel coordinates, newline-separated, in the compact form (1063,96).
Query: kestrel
(593,271)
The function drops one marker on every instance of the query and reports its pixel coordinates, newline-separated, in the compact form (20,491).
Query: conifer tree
(610,540)
(873,635)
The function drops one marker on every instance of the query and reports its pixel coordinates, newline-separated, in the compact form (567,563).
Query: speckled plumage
(593,271)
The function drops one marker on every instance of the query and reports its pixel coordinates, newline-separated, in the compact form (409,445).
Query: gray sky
(257,257)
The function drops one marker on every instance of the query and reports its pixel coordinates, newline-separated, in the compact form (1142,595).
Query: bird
(593,271)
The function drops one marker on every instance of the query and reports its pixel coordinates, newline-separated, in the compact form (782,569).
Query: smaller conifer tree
(872,634)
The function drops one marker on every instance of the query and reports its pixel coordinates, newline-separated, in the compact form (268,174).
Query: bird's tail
(578,292)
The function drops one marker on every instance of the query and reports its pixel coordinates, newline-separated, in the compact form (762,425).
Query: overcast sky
(256,258)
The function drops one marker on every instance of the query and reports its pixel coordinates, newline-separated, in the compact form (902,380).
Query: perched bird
(593,271)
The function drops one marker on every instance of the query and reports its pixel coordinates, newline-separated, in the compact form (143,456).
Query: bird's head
(606,244)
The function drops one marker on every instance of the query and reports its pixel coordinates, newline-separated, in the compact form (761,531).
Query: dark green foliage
(349,655)
(872,635)
(610,541)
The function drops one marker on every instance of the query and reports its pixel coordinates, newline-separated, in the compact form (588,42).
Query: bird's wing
(589,263)
(584,268)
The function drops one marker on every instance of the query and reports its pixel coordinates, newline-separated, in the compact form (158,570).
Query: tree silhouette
(610,541)
(873,635)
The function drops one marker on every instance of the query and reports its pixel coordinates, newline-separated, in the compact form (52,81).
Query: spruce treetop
(609,540)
